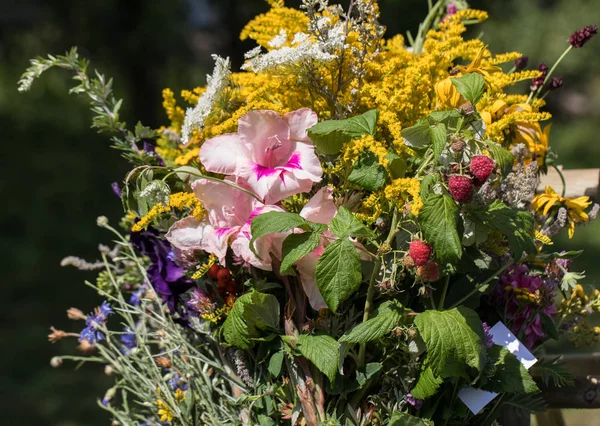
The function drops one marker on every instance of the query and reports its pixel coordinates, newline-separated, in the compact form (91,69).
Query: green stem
(562,179)
(424,28)
(537,93)
(371,289)
(425,164)
(477,287)
(444,291)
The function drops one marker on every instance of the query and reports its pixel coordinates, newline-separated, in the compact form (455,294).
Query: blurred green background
(57,172)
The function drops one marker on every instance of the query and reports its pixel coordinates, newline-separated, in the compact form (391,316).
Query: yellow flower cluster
(203,269)
(404,192)
(266,26)
(164,412)
(179,201)
(220,313)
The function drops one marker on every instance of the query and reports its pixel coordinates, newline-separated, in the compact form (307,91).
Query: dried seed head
(163,361)
(56,361)
(75,314)
(56,335)
(458,145)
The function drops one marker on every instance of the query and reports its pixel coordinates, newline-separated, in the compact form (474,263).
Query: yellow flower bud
(446,93)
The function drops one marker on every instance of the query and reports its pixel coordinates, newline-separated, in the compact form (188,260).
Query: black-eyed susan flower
(542,203)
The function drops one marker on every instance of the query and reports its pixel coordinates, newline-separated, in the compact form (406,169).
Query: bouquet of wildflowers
(327,236)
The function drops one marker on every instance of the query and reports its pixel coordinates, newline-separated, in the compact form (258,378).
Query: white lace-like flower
(279,40)
(215,83)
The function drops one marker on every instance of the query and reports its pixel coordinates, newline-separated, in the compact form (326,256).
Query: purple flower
(521,63)
(582,36)
(177,382)
(451,9)
(200,302)
(136,296)
(94,322)
(150,150)
(417,403)
(538,82)
(488,337)
(524,297)
(116,189)
(128,339)
(165,275)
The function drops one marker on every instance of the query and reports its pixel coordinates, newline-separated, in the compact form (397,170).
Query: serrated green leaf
(438,139)
(338,272)
(322,350)
(449,117)
(329,136)
(252,313)
(403,419)
(470,86)
(367,172)
(453,336)
(272,222)
(396,165)
(367,372)
(553,371)
(427,385)
(374,328)
(510,375)
(275,363)
(427,185)
(438,219)
(417,136)
(502,157)
(345,224)
(516,225)
(548,326)
(295,247)
(533,403)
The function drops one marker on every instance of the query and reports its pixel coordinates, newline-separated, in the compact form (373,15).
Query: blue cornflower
(129,340)
(136,296)
(177,382)
(93,322)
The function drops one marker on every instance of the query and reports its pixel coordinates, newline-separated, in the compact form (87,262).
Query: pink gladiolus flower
(229,214)
(272,153)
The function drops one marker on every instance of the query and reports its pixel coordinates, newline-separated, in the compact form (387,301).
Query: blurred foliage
(57,172)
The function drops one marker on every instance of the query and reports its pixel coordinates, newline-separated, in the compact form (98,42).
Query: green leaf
(295,247)
(367,172)
(374,328)
(449,117)
(534,403)
(403,419)
(272,222)
(417,136)
(553,371)
(252,313)
(453,336)
(548,326)
(470,86)
(438,139)
(329,136)
(396,165)
(368,372)
(338,272)
(502,156)
(516,225)
(345,224)
(438,218)
(427,385)
(427,185)
(275,363)
(323,351)
(510,375)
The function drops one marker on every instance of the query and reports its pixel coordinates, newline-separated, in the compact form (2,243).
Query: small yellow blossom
(542,203)
(179,201)
(405,191)
(164,412)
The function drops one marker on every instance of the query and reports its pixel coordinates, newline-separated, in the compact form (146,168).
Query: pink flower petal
(267,136)
(187,234)
(306,164)
(320,208)
(223,154)
(300,121)
(241,248)
(307,267)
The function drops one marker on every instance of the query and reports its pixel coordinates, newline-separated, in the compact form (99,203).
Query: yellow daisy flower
(164,412)
(542,203)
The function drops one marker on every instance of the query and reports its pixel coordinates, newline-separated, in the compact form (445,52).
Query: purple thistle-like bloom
(488,337)
(521,63)
(582,36)
(93,322)
(417,403)
(166,277)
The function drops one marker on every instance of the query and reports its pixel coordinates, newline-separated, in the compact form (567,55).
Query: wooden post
(579,182)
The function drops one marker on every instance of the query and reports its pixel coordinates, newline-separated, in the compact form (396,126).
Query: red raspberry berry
(429,272)
(482,166)
(212,271)
(223,275)
(420,252)
(460,188)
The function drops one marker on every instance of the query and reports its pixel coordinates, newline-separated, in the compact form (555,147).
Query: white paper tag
(477,399)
